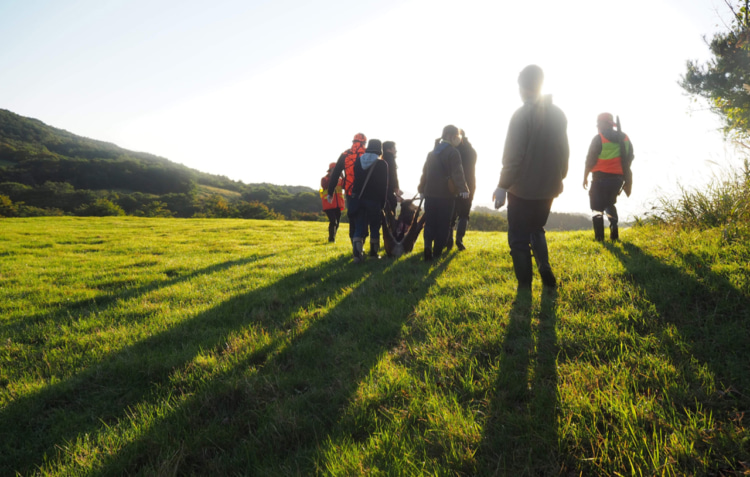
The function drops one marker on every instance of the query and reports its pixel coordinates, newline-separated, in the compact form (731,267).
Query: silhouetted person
(394,193)
(441,182)
(368,199)
(345,164)
(333,208)
(611,174)
(462,209)
(535,162)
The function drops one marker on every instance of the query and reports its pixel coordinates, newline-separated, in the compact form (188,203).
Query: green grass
(227,347)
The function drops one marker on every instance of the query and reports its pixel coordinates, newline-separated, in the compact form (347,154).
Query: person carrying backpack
(332,209)
(345,164)
(608,160)
(368,199)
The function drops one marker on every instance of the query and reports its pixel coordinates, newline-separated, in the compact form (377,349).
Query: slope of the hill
(196,347)
(48,171)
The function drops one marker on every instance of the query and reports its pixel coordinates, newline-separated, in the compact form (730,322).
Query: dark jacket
(377,186)
(535,159)
(595,149)
(468,162)
(392,172)
(443,162)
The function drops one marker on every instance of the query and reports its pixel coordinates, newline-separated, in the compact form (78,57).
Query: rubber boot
(541,255)
(357,250)
(427,253)
(463,222)
(598,228)
(374,247)
(523,270)
(614,232)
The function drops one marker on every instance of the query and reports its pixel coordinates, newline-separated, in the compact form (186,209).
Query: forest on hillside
(49,171)
(45,171)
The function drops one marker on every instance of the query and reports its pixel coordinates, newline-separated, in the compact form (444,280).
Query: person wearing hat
(608,160)
(333,208)
(345,164)
(535,162)
(441,182)
(368,199)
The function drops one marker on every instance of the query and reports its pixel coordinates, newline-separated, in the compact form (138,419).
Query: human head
(605,121)
(375,147)
(452,135)
(360,138)
(530,82)
(389,146)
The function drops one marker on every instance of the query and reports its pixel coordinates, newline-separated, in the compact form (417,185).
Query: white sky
(273,91)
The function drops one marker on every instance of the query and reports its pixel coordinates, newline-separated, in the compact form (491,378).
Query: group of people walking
(534,164)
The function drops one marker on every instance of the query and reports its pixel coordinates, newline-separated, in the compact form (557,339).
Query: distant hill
(49,171)
(557,220)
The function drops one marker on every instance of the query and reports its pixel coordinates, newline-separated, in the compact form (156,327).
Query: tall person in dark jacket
(535,162)
(460,220)
(368,199)
(442,170)
(394,193)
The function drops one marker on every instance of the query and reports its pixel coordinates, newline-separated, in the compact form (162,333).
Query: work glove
(499,197)
(329,199)
(464,195)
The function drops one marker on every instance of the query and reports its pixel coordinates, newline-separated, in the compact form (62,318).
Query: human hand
(586,182)
(330,199)
(464,195)
(499,197)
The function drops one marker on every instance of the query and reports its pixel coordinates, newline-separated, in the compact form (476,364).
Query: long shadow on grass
(39,426)
(712,316)
(520,434)
(270,413)
(712,319)
(65,312)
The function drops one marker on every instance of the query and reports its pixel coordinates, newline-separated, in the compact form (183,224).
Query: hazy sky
(273,91)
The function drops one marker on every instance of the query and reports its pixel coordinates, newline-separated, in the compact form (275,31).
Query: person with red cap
(608,160)
(333,208)
(345,164)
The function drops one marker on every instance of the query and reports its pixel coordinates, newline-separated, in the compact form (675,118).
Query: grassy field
(228,347)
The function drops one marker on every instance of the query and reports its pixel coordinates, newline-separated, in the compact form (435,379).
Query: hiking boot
(598,221)
(357,251)
(374,247)
(522,269)
(548,278)
(460,246)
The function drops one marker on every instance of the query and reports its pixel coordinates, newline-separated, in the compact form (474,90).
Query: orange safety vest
(351,157)
(338,197)
(610,161)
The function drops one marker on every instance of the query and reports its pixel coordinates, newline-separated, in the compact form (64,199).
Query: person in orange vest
(608,160)
(333,208)
(345,164)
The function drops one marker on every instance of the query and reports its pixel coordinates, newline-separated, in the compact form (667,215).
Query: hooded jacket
(535,158)
(468,162)
(442,163)
(377,186)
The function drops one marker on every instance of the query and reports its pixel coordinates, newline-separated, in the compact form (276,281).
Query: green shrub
(724,202)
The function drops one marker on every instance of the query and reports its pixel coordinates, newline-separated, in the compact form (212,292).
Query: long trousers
(438,212)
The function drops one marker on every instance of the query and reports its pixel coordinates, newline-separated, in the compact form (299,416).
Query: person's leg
(374,219)
(463,209)
(541,255)
(519,240)
(444,215)
(330,213)
(430,210)
(451,227)
(349,200)
(358,219)
(596,202)
(611,211)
